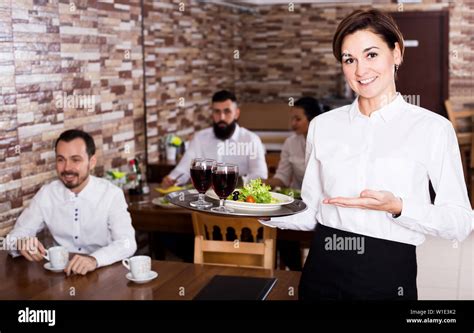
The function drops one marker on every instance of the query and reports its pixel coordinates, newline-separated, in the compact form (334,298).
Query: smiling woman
(376,188)
(370,50)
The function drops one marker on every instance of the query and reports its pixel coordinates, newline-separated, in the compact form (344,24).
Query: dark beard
(226,131)
(80,180)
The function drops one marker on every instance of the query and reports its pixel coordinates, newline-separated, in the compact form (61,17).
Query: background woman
(290,171)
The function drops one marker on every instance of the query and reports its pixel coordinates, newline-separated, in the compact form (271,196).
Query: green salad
(254,192)
(291,192)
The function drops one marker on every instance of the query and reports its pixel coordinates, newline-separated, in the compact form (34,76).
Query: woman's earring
(396,68)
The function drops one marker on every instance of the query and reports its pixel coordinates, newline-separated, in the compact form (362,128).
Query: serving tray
(183,198)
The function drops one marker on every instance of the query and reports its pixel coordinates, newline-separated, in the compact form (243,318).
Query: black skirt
(344,265)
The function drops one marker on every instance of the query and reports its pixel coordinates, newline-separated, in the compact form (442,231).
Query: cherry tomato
(250,199)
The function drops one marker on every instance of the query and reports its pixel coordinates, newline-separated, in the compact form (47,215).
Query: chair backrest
(272,160)
(232,241)
(451,114)
(455,116)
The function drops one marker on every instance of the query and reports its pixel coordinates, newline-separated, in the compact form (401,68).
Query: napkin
(169,189)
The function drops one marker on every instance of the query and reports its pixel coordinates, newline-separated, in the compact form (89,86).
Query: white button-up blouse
(399,148)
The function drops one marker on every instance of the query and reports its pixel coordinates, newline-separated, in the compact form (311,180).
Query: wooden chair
(272,160)
(233,241)
(465,139)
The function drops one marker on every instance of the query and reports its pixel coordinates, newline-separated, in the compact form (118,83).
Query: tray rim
(239,212)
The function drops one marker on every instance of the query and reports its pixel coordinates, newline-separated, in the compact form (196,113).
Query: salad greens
(254,192)
(291,192)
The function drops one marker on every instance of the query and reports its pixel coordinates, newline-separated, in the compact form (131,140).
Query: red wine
(224,183)
(201,179)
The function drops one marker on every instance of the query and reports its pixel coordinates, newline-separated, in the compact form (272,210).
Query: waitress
(366,183)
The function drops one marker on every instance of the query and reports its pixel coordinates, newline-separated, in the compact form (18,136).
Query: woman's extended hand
(369,199)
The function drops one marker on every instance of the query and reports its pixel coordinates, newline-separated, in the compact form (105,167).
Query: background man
(225,142)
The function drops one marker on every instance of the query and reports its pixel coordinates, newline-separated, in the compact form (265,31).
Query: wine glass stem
(201,197)
(221,203)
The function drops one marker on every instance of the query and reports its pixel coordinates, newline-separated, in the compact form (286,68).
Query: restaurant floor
(446,269)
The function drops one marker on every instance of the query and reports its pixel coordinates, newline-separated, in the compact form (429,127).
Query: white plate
(49,268)
(152,275)
(161,202)
(283,200)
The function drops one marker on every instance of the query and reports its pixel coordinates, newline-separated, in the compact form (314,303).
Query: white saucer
(49,268)
(152,275)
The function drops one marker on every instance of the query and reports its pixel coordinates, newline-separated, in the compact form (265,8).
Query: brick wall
(189,53)
(461,53)
(66,65)
(290,53)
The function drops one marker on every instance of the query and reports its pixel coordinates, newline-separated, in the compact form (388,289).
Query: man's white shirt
(243,148)
(94,222)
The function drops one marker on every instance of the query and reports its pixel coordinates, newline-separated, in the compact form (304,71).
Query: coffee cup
(139,266)
(58,256)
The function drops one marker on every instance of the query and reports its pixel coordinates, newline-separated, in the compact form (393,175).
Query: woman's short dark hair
(373,20)
(310,106)
(73,134)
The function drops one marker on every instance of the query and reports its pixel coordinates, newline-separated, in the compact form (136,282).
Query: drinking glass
(224,180)
(201,176)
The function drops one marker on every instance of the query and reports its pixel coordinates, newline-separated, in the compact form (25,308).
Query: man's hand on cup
(31,248)
(81,264)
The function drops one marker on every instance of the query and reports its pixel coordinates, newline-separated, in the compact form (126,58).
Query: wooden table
(22,280)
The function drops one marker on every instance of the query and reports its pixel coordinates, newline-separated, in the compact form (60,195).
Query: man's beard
(72,185)
(224,132)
